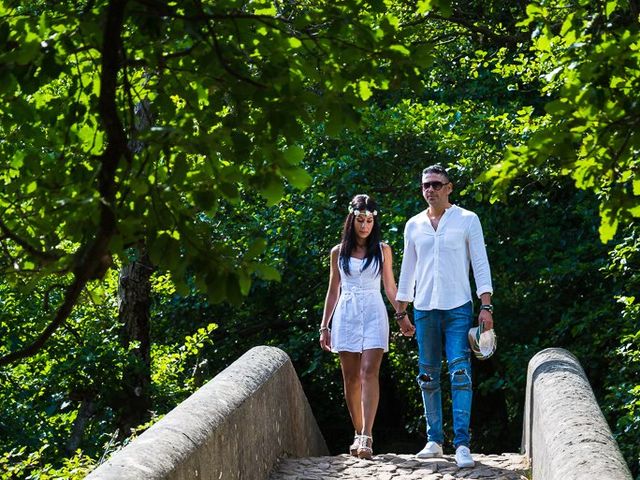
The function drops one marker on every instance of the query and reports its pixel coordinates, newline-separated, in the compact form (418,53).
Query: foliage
(247,103)
(43,396)
(15,466)
(623,399)
(589,64)
(134,122)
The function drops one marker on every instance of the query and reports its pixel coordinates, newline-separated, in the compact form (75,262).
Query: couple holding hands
(440,244)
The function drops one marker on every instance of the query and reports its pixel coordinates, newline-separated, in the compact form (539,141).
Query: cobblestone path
(391,466)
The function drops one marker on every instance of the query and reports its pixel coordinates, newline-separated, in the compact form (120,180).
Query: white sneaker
(431,450)
(463,457)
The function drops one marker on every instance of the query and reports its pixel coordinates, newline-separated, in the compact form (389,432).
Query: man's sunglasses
(434,185)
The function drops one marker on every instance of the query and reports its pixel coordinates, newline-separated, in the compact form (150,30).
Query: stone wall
(234,427)
(565,435)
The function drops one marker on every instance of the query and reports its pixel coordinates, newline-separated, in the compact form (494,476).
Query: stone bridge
(253,421)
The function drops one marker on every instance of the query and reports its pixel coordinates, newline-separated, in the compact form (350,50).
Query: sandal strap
(364,442)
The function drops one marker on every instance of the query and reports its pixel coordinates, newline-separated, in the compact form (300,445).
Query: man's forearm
(485,298)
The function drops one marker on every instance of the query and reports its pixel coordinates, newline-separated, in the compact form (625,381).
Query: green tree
(227,86)
(586,57)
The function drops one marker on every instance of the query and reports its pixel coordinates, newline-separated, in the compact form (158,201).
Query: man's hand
(406,327)
(485,317)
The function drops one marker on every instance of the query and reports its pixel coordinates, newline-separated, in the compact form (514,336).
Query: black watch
(487,307)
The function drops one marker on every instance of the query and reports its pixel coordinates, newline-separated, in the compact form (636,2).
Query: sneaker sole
(428,455)
(465,465)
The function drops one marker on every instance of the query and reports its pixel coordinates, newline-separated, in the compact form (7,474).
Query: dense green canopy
(225,139)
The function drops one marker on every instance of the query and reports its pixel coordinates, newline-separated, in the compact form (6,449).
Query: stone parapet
(565,435)
(234,427)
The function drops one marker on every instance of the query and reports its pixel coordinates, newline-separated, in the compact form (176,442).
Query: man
(440,244)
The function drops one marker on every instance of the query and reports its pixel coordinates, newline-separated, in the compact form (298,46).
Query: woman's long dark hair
(348,243)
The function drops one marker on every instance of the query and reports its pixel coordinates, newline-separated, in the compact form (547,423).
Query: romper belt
(349,293)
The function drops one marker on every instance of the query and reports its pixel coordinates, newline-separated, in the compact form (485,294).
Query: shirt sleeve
(479,260)
(406,283)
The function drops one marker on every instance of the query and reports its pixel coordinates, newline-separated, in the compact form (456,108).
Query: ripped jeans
(433,329)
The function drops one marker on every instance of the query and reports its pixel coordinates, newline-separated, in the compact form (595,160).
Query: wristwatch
(487,307)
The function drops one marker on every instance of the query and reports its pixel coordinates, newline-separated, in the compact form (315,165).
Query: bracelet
(488,307)
(400,315)
(324,329)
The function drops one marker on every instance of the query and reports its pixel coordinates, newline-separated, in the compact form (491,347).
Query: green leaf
(557,107)
(273,191)
(608,225)
(294,42)
(543,44)
(293,154)
(363,90)
(256,247)
(8,82)
(424,6)
(400,49)
(216,287)
(244,282)
(269,11)
(268,272)
(635,211)
(298,177)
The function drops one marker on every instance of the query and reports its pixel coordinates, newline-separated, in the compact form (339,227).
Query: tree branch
(507,40)
(46,257)
(92,258)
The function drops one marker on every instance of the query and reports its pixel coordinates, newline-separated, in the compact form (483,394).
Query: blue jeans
(433,329)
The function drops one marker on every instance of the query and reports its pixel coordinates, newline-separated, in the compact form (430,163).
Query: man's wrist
(487,306)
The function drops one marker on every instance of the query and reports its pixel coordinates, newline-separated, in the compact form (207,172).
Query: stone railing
(234,427)
(565,435)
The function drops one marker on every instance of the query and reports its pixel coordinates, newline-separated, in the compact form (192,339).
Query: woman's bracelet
(400,315)
(323,329)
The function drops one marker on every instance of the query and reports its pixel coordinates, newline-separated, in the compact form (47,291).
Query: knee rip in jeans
(426,381)
(460,378)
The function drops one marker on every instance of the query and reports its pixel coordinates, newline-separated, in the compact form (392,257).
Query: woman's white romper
(360,321)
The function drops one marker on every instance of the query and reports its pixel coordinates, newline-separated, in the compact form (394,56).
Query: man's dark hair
(438,169)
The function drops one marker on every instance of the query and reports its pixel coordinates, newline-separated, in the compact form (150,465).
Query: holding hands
(406,327)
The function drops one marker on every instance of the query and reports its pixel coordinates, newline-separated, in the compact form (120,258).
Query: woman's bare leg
(369,373)
(350,363)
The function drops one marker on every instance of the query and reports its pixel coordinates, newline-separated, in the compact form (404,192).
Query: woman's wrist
(324,328)
(400,315)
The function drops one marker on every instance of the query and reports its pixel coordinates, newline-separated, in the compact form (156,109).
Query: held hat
(483,343)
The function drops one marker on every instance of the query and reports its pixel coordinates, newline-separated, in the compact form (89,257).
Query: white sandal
(364,450)
(353,448)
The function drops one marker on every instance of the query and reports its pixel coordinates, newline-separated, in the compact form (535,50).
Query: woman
(360,324)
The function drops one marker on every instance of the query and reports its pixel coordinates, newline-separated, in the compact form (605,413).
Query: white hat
(482,343)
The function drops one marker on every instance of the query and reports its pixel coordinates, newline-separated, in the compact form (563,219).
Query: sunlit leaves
(592,75)
(211,106)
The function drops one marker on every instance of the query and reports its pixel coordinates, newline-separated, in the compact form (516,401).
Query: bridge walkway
(391,466)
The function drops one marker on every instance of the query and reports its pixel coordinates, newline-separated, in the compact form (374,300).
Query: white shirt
(436,262)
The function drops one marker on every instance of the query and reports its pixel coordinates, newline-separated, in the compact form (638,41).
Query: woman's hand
(325,339)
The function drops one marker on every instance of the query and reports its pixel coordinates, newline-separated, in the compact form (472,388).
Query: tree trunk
(87,410)
(134,291)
